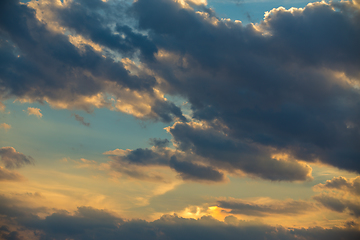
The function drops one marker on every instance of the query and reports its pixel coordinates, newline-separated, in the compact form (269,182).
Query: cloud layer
(287,86)
(87,223)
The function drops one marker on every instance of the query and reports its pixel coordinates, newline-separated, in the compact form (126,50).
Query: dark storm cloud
(341,183)
(281,84)
(339,204)
(81,120)
(291,207)
(13,159)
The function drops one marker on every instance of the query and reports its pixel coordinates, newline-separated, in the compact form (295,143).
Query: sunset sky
(179,119)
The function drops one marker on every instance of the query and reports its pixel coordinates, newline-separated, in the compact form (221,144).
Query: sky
(179,119)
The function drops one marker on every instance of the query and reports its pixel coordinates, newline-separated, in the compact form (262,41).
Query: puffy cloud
(34,111)
(41,63)
(13,159)
(289,82)
(287,207)
(5,126)
(81,120)
(341,183)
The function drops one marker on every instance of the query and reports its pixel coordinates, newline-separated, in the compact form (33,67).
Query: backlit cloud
(254,128)
(34,111)
(341,183)
(13,159)
(87,222)
(5,126)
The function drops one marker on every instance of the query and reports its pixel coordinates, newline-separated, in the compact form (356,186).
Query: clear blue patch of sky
(58,135)
(251,11)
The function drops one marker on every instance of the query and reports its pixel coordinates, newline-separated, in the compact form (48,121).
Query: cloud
(341,183)
(6,234)
(201,152)
(230,154)
(251,208)
(6,175)
(159,143)
(195,172)
(135,163)
(339,204)
(87,223)
(5,126)
(34,111)
(81,120)
(13,159)
(80,223)
(2,107)
(41,63)
(289,82)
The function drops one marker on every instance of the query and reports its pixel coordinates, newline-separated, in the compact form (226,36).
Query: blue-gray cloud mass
(287,84)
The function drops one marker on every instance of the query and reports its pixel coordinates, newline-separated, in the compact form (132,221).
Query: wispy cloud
(81,120)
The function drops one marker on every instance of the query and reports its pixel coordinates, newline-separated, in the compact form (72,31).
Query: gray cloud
(90,223)
(160,143)
(287,83)
(339,204)
(186,167)
(282,84)
(195,172)
(81,120)
(43,65)
(289,207)
(341,183)
(229,153)
(13,159)
(6,175)
(6,234)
